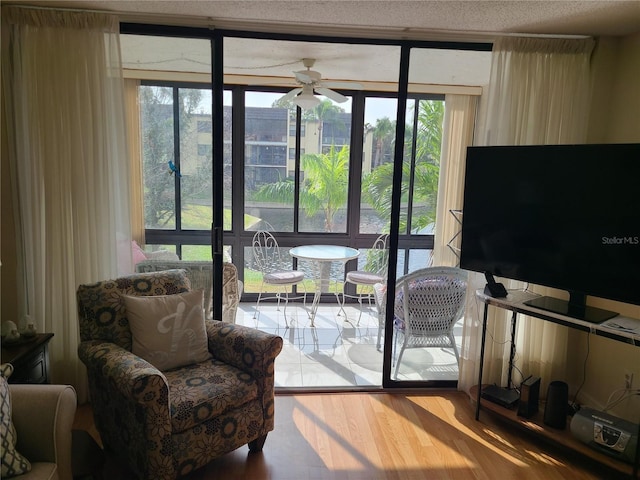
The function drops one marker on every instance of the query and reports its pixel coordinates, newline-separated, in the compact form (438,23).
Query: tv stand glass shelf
(621,329)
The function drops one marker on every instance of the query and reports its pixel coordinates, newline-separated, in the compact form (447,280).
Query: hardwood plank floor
(387,436)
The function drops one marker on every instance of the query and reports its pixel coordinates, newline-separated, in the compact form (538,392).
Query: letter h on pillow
(168,330)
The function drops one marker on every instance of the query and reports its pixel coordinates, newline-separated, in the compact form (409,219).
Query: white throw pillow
(168,330)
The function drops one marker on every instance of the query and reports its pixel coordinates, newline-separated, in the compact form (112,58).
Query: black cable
(521,375)
(584,376)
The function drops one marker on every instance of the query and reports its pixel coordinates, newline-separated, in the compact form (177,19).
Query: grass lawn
(199,217)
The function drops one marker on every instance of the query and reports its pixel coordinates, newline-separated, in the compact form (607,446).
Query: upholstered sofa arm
(248,349)
(132,376)
(43,417)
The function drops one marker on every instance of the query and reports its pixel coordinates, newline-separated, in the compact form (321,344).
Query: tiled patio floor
(339,353)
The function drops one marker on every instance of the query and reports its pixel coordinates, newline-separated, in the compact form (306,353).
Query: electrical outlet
(628,380)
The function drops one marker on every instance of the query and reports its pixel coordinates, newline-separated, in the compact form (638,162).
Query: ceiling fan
(310,81)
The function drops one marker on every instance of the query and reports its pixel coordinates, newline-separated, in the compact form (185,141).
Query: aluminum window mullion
(297,176)
(176,161)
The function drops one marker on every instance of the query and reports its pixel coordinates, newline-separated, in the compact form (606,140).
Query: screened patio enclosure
(219,145)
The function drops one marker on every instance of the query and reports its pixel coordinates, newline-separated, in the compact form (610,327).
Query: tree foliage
(326,175)
(324,187)
(383,141)
(158,149)
(377,185)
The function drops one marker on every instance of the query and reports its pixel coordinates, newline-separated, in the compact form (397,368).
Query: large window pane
(196,252)
(196,158)
(377,164)
(227,159)
(325,167)
(428,143)
(156,118)
(269,172)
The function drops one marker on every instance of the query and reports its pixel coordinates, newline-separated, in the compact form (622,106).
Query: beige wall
(615,118)
(625,101)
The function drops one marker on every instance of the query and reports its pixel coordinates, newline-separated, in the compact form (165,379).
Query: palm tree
(383,137)
(429,140)
(377,186)
(324,188)
(324,111)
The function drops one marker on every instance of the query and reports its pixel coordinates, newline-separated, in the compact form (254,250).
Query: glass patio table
(321,257)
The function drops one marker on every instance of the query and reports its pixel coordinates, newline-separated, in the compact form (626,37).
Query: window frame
(239,239)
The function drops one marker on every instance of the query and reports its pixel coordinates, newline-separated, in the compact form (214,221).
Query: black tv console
(514,302)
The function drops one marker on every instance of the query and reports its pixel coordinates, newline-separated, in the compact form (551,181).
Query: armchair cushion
(168,330)
(205,391)
(13,463)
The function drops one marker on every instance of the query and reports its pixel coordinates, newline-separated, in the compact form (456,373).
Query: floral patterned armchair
(165,424)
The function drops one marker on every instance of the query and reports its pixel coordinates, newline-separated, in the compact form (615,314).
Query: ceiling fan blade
(335,96)
(344,85)
(290,95)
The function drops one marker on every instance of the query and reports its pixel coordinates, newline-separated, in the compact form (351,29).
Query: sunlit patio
(338,352)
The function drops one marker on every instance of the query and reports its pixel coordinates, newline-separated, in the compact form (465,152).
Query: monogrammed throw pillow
(168,330)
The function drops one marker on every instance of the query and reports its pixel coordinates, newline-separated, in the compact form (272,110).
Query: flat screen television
(562,216)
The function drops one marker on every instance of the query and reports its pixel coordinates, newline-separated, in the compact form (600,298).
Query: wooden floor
(355,436)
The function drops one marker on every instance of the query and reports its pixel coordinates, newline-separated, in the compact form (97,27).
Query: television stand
(578,310)
(518,302)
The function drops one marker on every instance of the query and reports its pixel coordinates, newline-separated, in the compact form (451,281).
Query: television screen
(563,216)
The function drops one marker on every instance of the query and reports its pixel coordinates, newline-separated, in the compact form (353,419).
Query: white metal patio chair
(269,261)
(374,271)
(427,306)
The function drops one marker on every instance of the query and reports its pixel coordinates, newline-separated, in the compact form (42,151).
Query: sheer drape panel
(132,107)
(539,93)
(459,117)
(62,70)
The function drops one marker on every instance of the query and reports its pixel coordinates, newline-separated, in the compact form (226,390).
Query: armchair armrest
(252,351)
(248,349)
(131,400)
(43,416)
(132,376)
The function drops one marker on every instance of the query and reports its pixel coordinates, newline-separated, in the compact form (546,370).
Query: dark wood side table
(30,359)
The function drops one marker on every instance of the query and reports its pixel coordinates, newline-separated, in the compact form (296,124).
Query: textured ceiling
(393,17)
(247,60)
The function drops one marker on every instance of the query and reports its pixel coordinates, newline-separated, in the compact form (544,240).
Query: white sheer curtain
(63,92)
(132,110)
(459,118)
(539,93)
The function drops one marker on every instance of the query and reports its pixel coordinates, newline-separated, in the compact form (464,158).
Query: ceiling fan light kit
(306,99)
(310,83)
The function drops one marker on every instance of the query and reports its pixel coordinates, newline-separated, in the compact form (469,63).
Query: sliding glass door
(233,141)
(169,73)
(421,350)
